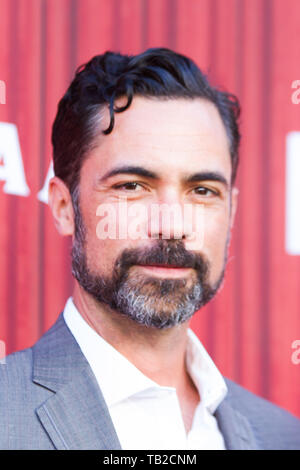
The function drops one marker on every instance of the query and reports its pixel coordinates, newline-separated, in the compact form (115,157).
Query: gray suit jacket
(49,399)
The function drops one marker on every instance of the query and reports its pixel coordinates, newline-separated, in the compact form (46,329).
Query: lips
(171,266)
(165,270)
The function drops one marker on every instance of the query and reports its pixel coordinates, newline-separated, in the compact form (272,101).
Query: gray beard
(152,302)
(149,301)
(156,310)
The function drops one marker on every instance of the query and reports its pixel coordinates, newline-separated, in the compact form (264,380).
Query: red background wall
(250,47)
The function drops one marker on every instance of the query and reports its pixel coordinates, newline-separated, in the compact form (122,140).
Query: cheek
(100,250)
(111,229)
(102,254)
(215,240)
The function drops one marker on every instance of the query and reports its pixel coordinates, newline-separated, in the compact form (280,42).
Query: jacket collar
(235,426)
(75,416)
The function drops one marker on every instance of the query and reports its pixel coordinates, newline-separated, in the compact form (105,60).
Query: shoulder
(16,368)
(273,426)
(16,382)
(250,403)
(19,398)
(18,388)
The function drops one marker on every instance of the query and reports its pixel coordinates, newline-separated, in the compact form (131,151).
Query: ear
(61,206)
(234,203)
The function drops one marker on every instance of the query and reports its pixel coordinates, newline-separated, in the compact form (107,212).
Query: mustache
(166,253)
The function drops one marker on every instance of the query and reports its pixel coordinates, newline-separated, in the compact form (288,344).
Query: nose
(170,218)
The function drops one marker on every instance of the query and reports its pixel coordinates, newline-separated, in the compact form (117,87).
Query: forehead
(164,135)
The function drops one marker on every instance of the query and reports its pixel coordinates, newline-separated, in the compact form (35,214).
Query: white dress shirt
(146,415)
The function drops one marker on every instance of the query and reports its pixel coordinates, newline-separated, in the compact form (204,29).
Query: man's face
(161,153)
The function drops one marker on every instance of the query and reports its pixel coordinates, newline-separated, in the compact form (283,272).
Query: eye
(203,191)
(130,186)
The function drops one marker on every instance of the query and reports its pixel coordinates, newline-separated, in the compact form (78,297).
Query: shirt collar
(119,379)
(204,373)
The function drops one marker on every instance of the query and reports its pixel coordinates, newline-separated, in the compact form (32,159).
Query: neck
(159,354)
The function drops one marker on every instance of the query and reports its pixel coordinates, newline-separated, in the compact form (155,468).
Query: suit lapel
(75,416)
(235,427)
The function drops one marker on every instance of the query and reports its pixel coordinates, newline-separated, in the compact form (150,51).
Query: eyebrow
(208,175)
(141,171)
(131,170)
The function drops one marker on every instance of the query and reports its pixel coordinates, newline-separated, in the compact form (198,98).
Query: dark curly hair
(157,73)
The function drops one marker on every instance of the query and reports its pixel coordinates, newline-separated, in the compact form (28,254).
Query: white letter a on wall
(11,164)
(292,229)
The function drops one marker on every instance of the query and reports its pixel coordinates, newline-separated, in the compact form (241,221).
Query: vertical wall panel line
(73,37)
(238,228)
(13,201)
(42,166)
(116,32)
(213,35)
(171,23)
(265,185)
(145,24)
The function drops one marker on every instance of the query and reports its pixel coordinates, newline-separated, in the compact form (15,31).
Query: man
(121,369)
